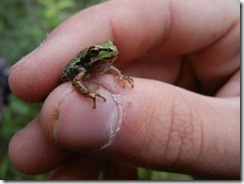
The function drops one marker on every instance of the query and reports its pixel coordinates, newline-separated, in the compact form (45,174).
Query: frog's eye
(110,50)
(94,51)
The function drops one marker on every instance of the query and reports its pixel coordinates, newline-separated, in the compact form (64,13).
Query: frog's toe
(123,79)
(94,97)
(101,97)
(94,103)
(120,81)
(131,81)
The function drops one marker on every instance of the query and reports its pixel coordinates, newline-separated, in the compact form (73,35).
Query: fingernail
(79,126)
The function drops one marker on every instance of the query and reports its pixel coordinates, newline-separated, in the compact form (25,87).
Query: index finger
(172,27)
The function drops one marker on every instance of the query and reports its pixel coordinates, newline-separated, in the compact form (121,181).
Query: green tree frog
(96,59)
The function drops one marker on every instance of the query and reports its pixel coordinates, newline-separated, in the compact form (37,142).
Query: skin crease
(183,114)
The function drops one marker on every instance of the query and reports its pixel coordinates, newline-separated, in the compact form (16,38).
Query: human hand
(183,114)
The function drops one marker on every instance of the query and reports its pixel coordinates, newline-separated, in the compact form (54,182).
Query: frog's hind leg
(85,91)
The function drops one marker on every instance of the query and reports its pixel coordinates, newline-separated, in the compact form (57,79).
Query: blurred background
(24,24)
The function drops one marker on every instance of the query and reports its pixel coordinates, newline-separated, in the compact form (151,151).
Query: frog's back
(72,69)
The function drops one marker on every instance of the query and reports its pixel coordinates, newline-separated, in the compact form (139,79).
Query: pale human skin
(182,115)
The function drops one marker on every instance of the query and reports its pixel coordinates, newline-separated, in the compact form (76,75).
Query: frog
(94,60)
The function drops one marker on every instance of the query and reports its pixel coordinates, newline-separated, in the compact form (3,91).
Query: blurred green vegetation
(23,26)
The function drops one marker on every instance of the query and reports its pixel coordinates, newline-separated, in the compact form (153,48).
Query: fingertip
(27,82)
(70,120)
(31,153)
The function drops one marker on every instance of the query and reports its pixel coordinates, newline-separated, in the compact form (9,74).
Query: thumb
(155,125)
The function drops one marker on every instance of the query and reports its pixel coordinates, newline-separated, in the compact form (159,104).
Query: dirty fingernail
(79,126)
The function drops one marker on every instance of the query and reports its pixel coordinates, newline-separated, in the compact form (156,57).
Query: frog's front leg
(83,90)
(120,77)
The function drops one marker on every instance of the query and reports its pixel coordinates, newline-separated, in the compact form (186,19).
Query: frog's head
(101,56)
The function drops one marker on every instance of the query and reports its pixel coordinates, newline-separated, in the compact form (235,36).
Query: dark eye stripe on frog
(94,51)
(106,49)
